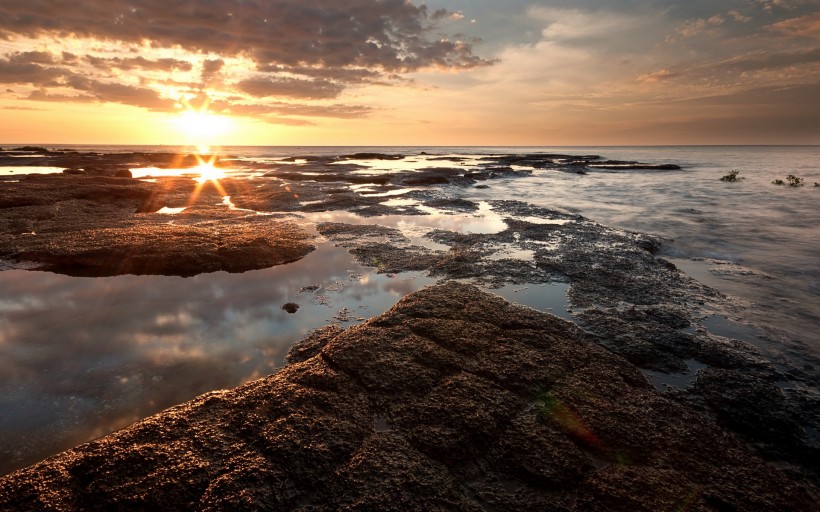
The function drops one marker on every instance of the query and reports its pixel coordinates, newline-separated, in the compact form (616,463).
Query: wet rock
(624,165)
(453,205)
(33,149)
(737,399)
(92,226)
(373,156)
(482,405)
(313,343)
(634,303)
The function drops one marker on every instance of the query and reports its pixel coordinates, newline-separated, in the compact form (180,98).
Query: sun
(202,128)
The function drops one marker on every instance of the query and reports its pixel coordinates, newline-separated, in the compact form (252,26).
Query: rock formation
(452,400)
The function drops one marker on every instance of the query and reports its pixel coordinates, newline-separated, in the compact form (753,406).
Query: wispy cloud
(807,26)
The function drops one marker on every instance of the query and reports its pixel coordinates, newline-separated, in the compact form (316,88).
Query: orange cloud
(804,26)
(657,76)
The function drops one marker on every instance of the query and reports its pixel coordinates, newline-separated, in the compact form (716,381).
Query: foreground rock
(636,304)
(453,400)
(105,226)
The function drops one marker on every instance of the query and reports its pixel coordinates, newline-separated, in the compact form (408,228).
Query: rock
(291,307)
(452,400)
(34,149)
(123,173)
(103,226)
(637,305)
(373,156)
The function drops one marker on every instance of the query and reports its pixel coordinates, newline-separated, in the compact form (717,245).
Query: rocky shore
(454,399)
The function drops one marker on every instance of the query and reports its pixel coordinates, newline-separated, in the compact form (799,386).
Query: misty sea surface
(81,357)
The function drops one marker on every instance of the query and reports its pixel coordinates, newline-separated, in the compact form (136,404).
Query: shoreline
(633,302)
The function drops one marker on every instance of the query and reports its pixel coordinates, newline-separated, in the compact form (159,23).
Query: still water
(81,357)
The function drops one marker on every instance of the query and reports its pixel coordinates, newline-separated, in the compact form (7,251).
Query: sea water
(80,357)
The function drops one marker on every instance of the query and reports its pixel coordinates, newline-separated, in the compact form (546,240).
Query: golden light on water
(207,170)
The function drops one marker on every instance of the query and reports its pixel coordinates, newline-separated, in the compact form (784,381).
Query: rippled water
(80,357)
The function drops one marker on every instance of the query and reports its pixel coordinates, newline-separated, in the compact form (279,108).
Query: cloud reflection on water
(80,357)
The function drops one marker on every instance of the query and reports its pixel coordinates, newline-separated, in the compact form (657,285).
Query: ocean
(80,357)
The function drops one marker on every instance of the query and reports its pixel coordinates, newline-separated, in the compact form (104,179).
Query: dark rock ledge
(453,400)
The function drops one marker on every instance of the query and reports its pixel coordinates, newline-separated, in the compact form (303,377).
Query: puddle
(722,326)
(150,172)
(548,297)
(15,170)
(81,357)
(507,251)
(540,220)
(171,211)
(663,381)
(400,202)
(487,222)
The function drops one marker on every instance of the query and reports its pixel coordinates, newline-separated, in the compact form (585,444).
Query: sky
(401,72)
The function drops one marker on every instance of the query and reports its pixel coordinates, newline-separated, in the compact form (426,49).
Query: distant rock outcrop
(452,400)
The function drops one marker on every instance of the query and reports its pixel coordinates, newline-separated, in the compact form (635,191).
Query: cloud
(211,69)
(568,25)
(130,95)
(765,60)
(308,50)
(739,16)
(127,64)
(290,88)
(12,71)
(42,95)
(36,57)
(696,27)
(804,26)
(390,35)
(657,76)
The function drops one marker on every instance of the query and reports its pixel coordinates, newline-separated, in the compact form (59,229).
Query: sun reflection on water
(207,170)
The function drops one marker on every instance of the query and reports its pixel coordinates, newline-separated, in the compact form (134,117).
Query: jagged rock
(452,400)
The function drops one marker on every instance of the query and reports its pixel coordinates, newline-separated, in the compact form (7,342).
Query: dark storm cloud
(393,35)
(290,88)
